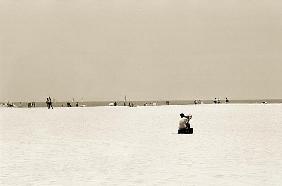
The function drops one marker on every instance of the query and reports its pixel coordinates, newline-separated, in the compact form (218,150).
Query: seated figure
(184,125)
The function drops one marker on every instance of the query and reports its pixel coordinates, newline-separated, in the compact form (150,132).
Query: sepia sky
(145,49)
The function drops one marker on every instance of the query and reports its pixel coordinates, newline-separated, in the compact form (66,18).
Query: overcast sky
(145,49)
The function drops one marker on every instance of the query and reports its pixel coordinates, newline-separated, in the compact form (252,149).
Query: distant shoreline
(142,103)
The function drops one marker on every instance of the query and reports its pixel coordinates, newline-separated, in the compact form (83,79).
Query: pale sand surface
(236,144)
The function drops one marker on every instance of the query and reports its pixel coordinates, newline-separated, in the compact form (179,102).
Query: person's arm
(187,119)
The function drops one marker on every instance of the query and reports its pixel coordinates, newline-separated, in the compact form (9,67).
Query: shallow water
(235,144)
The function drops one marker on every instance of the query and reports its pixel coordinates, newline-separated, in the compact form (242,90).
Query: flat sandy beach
(232,144)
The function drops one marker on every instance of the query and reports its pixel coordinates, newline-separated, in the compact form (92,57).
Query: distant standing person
(50,102)
(226,100)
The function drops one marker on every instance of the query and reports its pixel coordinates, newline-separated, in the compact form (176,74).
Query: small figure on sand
(184,125)
(217,101)
(196,102)
(49,103)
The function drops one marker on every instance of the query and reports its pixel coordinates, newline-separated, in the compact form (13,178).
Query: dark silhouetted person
(50,103)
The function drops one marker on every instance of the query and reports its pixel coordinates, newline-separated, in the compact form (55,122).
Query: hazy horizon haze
(146,50)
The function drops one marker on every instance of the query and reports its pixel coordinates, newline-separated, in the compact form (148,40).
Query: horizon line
(149,100)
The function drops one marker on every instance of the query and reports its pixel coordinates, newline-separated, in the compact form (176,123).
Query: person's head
(182,115)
